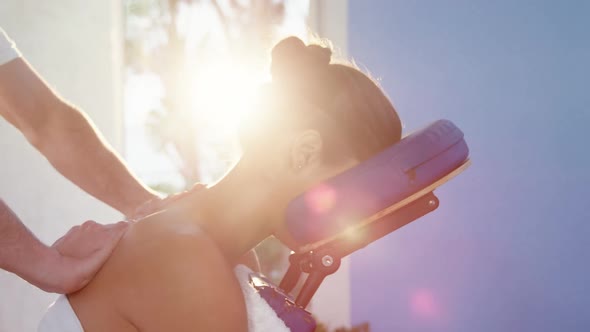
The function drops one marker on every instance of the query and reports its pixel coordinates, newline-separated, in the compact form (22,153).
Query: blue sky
(508,248)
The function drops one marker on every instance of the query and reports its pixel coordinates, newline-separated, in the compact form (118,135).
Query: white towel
(60,317)
(261,317)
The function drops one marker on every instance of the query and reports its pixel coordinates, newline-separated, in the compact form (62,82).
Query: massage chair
(348,212)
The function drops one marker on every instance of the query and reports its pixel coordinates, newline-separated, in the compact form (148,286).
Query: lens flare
(424,305)
(321,199)
(353,234)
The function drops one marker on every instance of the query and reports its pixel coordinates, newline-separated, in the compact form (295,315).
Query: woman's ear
(306,150)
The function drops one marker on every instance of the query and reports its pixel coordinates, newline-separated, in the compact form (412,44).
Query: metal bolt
(432,202)
(327,260)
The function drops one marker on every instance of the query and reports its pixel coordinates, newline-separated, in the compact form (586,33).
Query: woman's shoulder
(178,267)
(164,225)
(164,235)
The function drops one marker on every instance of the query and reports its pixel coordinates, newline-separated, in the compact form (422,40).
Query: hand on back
(78,255)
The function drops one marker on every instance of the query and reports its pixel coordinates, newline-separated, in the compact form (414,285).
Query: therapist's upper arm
(26,101)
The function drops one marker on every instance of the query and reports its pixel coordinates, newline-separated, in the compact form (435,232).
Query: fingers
(88,266)
(157,204)
(115,232)
(74,232)
(77,271)
(89,225)
(82,241)
(117,225)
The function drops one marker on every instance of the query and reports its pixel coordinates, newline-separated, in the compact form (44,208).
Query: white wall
(331,304)
(77,47)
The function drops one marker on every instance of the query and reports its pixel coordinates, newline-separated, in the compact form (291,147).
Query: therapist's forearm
(20,251)
(67,138)
(78,151)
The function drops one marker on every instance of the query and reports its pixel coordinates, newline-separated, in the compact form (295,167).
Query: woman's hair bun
(291,57)
(319,55)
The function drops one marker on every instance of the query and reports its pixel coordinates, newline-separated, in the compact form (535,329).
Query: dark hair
(362,119)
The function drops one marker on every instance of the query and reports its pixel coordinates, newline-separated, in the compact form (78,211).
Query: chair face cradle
(362,205)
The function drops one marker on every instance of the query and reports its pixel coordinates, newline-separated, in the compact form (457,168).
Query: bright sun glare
(216,95)
(223,93)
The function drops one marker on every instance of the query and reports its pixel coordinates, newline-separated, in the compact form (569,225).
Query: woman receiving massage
(173,271)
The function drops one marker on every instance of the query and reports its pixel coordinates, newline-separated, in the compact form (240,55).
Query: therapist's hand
(76,257)
(158,204)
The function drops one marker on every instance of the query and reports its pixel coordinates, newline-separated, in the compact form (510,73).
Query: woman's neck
(232,213)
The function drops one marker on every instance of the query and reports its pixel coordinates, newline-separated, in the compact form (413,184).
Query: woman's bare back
(165,274)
